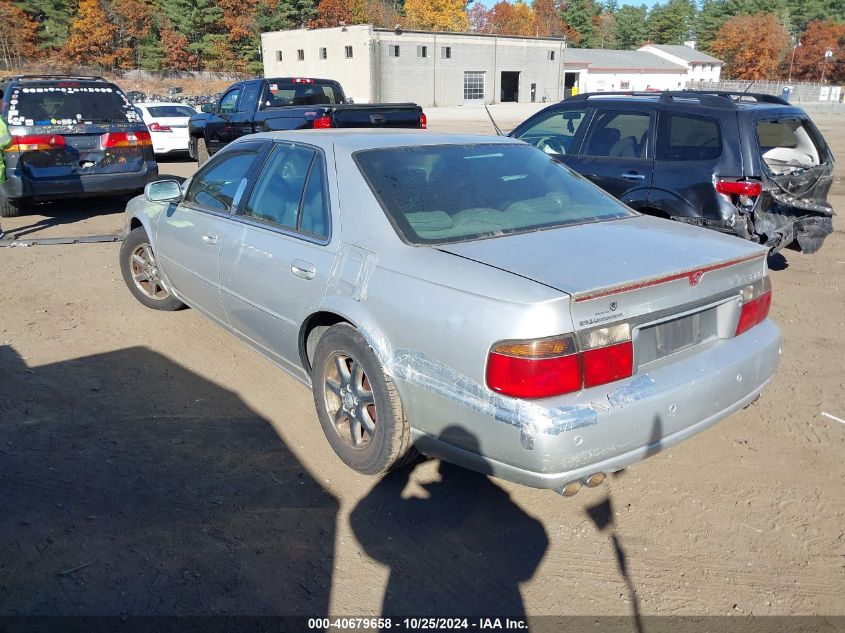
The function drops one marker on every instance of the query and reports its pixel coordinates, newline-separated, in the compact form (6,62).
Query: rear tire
(358,405)
(192,148)
(10,208)
(202,152)
(139,267)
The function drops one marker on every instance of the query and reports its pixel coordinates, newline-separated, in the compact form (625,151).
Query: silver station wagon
(461,296)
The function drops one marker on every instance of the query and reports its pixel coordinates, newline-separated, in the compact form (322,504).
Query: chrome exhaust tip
(570,489)
(596,479)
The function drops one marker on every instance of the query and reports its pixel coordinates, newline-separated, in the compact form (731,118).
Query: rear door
(69,129)
(277,255)
(189,234)
(616,153)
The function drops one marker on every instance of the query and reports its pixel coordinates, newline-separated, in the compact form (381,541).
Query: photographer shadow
(461,552)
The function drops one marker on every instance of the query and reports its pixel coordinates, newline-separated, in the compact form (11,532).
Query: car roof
(355,139)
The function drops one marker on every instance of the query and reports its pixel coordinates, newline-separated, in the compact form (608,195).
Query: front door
(615,154)
(276,257)
(190,233)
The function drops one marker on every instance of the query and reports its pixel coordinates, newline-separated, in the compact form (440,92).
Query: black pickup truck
(289,103)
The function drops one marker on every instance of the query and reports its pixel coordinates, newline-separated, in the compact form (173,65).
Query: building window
(348,52)
(278,56)
(473,86)
(422,51)
(394,50)
(300,54)
(551,56)
(624,85)
(446,52)
(323,54)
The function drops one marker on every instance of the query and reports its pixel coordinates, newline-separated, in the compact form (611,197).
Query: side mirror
(349,100)
(208,108)
(163,191)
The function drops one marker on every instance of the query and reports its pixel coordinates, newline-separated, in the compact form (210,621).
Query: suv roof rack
(710,98)
(36,77)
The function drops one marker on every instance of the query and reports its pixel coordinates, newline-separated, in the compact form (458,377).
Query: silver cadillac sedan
(461,296)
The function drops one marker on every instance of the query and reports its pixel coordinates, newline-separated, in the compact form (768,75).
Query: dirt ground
(152,464)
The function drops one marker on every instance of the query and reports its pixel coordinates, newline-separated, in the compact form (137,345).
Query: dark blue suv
(71,137)
(747,164)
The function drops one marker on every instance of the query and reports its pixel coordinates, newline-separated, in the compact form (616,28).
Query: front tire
(201,152)
(357,404)
(139,267)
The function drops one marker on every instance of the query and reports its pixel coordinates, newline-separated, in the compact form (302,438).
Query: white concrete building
(700,66)
(443,69)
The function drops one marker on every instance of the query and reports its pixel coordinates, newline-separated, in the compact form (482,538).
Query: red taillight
(551,367)
(757,299)
(423,121)
(155,126)
(303,80)
(739,187)
(35,142)
(125,139)
(322,122)
(608,364)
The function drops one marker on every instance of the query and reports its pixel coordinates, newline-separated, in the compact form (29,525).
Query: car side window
(688,137)
(249,99)
(618,135)
(554,133)
(229,101)
(215,187)
(290,191)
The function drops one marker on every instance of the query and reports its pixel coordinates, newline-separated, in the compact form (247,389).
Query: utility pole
(795,46)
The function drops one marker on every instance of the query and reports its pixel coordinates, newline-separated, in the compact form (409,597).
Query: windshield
(787,145)
(436,194)
(310,92)
(171,111)
(65,105)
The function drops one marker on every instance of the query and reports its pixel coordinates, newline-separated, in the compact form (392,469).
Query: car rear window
(787,145)
(64,104)
(171,111)
(285,93)
(682,137)
(435,194)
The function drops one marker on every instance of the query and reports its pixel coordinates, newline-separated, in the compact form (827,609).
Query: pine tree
(673,22)
(579,15)
(631,27)
(54,18)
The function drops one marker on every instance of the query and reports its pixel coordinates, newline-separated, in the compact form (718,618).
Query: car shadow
(63,212)
(462,550)
(132,486)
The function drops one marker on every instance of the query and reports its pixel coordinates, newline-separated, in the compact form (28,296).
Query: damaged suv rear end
(794,167)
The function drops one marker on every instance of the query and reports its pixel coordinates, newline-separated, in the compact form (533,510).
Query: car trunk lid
(642,271)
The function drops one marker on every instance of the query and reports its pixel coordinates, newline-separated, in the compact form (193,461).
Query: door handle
(303,269)
(632,175)
(209,239)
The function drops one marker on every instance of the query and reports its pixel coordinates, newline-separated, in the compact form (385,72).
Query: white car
(168,125)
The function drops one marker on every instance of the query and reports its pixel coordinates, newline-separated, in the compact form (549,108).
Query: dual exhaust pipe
(573,487)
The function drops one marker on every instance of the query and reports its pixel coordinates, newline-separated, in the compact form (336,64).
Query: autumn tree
(512,18)
(436,15)
(381,13)
(175,48)
(333,12)
(18,35)
(92,37)
(820,36)
(751,46)
(605,29)
(579,14)
(479,18)
(548,21)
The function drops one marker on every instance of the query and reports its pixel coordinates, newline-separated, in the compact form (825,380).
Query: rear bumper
(18,188)
(548,444)
(168,142)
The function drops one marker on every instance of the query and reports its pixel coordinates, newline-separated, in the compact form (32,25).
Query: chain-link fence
(799,91)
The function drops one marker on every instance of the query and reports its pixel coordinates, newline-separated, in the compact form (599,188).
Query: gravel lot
(152,464)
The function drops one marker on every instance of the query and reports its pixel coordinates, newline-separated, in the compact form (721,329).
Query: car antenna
(753,81)
(496,127)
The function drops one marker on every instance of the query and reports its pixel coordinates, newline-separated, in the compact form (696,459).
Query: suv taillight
(756,301)
(423,121)
(125,139)
(35,142)
(743,193)
(322,122)
(542,368)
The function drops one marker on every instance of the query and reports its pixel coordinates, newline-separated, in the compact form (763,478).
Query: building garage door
(473,87)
